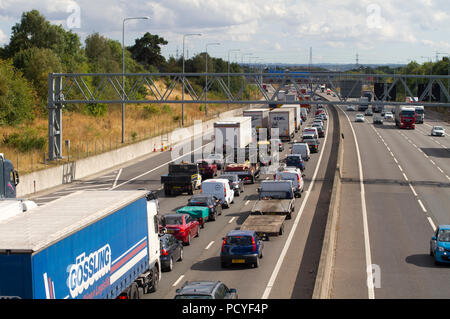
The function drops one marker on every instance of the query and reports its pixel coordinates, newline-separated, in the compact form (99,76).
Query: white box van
(302,149)
(219,188)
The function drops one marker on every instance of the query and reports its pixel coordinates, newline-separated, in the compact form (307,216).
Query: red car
(207,168)
(319,111)
(182,226)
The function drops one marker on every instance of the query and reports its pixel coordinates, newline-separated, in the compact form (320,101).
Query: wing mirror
(433,238)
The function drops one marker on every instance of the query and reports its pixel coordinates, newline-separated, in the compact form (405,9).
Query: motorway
(290,262)
(395,191)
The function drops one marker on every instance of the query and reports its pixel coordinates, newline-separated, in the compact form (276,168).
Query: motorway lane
(399,228)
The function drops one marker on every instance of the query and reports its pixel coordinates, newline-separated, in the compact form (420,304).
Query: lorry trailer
(86,245)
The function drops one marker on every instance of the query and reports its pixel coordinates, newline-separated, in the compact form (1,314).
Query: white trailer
(282,119)
(260,117)
(232,133)
(297,115)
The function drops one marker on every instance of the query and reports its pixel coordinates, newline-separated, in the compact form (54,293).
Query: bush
(150,110)
(96,109)
(26,141)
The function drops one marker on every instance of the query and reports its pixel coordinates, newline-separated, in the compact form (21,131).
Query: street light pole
(206,84)
(182,91)
(123,72)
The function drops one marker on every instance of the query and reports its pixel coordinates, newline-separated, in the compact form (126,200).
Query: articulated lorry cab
(9,178)
(86,245)
(405,116)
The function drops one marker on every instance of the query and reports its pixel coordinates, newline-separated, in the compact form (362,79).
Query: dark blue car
(241,247)
(440,245)
(295,160)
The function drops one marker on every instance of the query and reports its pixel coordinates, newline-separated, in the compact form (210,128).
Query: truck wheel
(281,230)
(155,280)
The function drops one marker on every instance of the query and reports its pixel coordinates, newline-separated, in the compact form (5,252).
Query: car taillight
(164,252)
(253,244)
(223,245)
(225,191)
(211,206)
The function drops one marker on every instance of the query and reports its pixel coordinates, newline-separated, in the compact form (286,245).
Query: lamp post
(206,84)
(123,71)
(182,91)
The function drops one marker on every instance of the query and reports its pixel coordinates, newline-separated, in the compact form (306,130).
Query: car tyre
(223,264)
(256,263)
(170,267)
(181,254)
(188,242)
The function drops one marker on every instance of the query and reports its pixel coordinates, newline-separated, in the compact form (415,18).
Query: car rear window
(174,220)
(239,240)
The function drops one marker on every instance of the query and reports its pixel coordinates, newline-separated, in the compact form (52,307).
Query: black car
(171,250)
(205,290)
(236,183)
(377,119)
(210,201)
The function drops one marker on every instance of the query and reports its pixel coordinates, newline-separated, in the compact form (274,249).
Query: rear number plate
(238,261)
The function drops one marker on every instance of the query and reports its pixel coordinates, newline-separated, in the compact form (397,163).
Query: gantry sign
(92,88)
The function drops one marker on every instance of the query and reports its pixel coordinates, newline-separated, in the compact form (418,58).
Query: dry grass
(89,135)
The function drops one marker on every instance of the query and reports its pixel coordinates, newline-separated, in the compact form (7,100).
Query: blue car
(241,247)
(295,160)
(440,245)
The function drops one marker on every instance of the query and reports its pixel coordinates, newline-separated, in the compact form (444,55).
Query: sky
(275,31)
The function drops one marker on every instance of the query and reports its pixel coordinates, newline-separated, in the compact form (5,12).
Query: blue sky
(275,31)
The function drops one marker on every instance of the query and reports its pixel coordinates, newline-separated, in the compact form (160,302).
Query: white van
(302,149)
(219,188)
(295,177)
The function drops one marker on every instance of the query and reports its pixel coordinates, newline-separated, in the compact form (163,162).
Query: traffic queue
(219,177)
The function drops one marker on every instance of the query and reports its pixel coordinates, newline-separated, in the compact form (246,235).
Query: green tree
(147,50)
(36,64)
(16,96)
(34,31)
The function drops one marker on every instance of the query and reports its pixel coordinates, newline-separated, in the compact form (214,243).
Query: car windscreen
(444,235)
(437,128)
(239,240)
(174,220)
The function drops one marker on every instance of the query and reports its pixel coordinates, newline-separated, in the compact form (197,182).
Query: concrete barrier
(63,174)
(324,278)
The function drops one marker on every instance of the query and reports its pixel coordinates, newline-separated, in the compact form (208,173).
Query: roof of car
(444,226)
(198,287)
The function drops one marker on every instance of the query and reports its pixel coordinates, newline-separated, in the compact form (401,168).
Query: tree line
(37,47)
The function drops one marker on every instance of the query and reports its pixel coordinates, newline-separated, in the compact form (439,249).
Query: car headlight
(441,249)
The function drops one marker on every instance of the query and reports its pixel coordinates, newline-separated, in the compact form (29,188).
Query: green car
(199,213)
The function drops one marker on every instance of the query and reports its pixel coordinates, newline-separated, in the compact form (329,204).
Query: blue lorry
(86,245)
(9,178)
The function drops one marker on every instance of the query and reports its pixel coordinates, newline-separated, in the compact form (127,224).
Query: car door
(434,242)
(189,225)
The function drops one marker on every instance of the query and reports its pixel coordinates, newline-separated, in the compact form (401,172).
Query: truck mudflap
(265,225)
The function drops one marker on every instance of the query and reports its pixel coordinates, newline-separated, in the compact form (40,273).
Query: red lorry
(207,168)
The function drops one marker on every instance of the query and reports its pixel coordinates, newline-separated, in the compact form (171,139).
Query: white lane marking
(431,223)
(158,167)
(406,177)
(395,160)
(246,203)
(370,288)
(231,220)
(421,205)
(277,268)
(209,245)
(412,189)
(178,280)
(400,168)
(440,169)
(432,162)
(117,178)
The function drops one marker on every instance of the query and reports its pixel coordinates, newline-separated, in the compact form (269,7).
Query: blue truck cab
(86,245)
